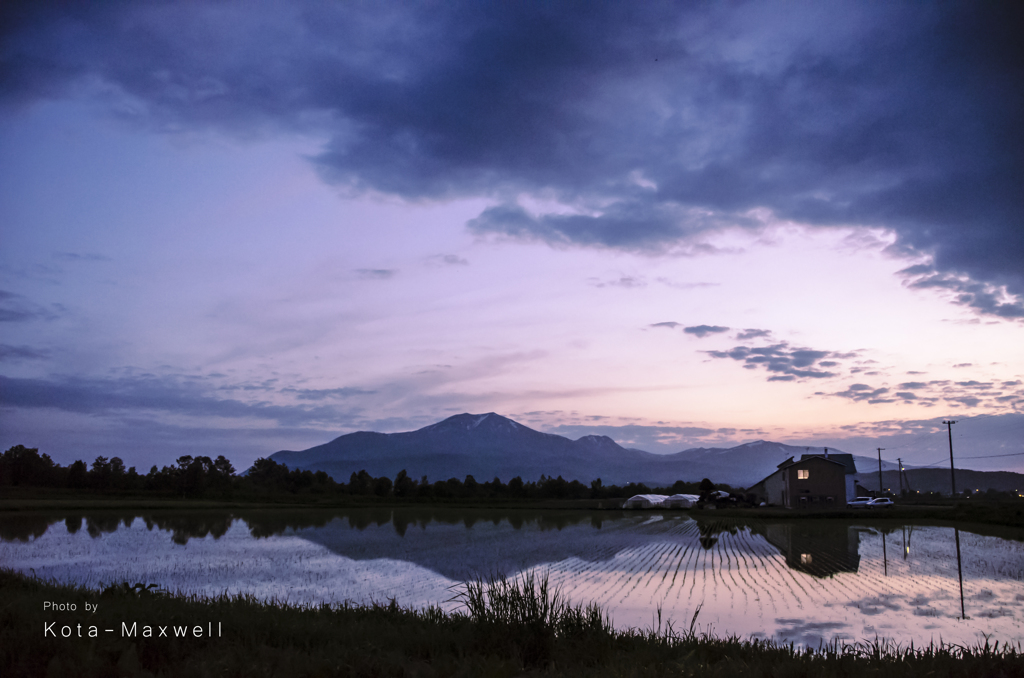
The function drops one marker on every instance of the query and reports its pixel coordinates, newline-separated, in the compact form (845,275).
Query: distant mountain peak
(488,444)
(599,442)
(487,422)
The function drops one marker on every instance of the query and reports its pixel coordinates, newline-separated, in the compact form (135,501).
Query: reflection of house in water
(819,550)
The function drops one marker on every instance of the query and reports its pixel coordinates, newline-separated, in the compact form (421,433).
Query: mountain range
(490,445)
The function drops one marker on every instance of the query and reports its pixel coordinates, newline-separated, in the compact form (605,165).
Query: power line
(917,442)
(920,437)
(934,463)
(984,456)
(993,456)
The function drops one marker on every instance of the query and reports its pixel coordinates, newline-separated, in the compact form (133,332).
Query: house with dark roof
(815,481)
(851,470)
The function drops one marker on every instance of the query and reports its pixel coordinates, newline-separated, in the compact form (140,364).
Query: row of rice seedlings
(649,583)
(739,578)
(737,586)
(687,565)
(649,556)
(765,575)
(628,565)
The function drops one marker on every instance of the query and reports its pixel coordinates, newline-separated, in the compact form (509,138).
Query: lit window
(805,559)
(803,474)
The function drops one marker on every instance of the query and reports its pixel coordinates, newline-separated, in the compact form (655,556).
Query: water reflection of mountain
(464,544)
(460,543)
(821,549)
(456,543)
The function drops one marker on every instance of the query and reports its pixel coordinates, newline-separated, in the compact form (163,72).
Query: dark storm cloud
(702,331)
(655,122)
(784,362)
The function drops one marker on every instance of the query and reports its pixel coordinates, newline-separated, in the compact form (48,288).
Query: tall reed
(523,617)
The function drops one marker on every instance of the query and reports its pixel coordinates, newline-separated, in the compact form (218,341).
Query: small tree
(404,485)
(77,475)
(382,486)
(360,483)
(516,487)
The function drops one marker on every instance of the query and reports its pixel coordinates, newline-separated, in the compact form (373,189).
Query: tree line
(202,477)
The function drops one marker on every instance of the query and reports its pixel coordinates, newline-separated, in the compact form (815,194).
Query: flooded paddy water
(802,581)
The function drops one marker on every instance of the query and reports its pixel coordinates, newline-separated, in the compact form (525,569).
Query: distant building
(681,501)
(645,501)
(813,482)
(851,471)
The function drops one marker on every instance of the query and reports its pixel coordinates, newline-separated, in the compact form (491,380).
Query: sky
(235,228)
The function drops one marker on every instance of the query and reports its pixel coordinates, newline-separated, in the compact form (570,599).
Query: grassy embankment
(515,628)
(55,499)
(944,511)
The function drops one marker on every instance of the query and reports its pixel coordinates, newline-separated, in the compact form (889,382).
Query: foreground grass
(510,628)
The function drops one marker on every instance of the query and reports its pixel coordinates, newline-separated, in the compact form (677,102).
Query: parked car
(858,502)
(881,502)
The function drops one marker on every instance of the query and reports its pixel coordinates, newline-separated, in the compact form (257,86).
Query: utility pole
(905,478)
(952,471)
(899,473)
(880,469)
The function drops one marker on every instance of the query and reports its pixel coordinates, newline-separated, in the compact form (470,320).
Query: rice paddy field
(805,582)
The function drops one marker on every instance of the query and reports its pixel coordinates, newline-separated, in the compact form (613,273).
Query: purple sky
(229,228)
